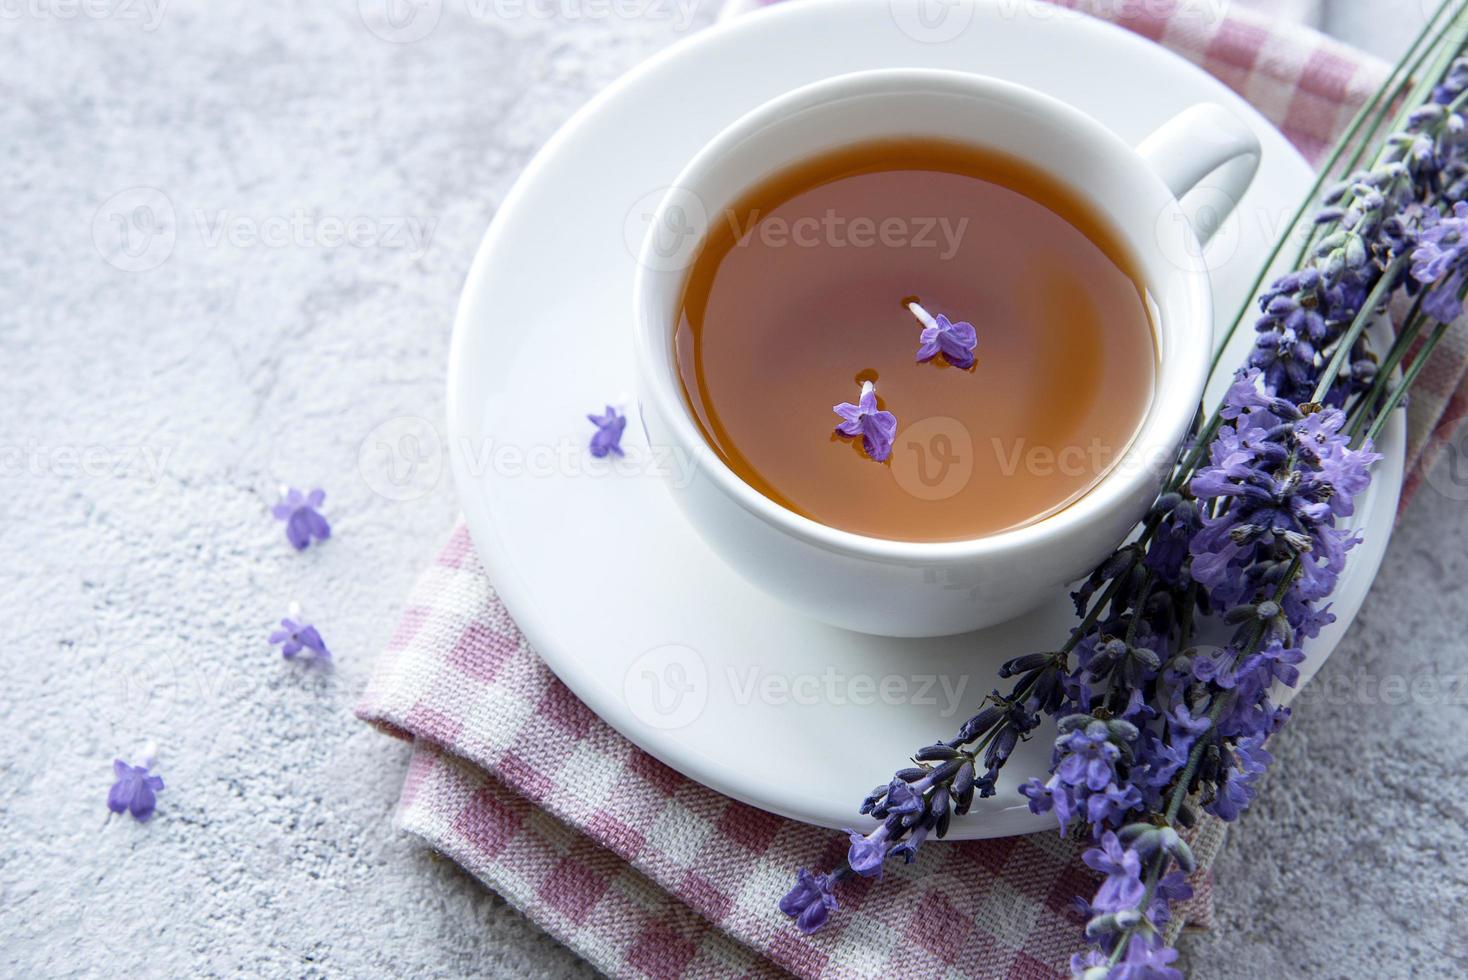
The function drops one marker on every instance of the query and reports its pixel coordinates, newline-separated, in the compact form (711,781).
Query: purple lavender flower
(1275,662)
(876,427)
(1306,312)
(810,903)
(1244,395)
(901,799)
(955,341)
(608,437)
(907,850)
(1088,757)
(301,513)
(1346,471)
(1442,246)
(295,636)
(1085,781)
(867,852)
(1439,261)
(1250,760)
(1163,758)
(1172,888)
(1116,913)
(1090,965)
(1170,544)
(135,789)
(1122,866)
(1286,482)
(1146,959)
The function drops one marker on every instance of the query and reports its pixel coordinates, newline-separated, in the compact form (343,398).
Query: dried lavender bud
(933,753)
(980,724)
(946,771)
(1123,730)
(963,780)
(1024,664)
(1241,614)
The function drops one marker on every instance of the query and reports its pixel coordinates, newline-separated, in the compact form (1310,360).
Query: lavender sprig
(1152,723)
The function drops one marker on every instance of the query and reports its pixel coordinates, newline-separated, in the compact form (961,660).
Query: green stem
(1142,595)
(1093,614)
(1368,312)
(1364,409)
(1407,381)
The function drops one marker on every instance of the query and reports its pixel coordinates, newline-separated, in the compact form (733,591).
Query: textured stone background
(150,413)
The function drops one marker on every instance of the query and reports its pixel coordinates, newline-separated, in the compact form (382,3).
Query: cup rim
(1181,366)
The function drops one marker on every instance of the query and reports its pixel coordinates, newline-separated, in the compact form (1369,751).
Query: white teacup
(897,588)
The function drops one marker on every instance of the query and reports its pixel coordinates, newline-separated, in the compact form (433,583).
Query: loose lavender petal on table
(135,789)
(294,636)
(301,513)
(608,437)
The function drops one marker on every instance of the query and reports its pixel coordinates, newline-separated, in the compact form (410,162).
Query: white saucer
(608,582)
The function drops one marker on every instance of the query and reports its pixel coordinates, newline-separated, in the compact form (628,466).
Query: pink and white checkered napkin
(648,874)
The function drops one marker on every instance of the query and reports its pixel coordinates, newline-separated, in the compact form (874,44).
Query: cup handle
(1197,142)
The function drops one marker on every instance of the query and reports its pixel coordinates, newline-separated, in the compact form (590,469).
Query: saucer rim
(526,607)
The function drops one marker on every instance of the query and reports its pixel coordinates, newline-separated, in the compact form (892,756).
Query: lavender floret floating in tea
(864,419)
(1155,723)
(608,437)
(955,341)
(760,325)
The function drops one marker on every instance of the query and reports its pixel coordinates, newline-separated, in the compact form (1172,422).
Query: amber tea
(803,290)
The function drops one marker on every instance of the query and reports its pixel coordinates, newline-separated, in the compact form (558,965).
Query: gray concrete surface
(150,404)
(1383,27)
